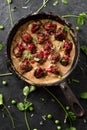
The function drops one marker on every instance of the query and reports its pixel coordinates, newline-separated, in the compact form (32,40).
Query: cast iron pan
(72,100)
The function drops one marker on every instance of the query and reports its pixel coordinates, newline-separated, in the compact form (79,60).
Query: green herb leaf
(27,105)
(21,106)
(1,27)
(36,59)
(64,1)
(55,3)
(34,40)
(32,88)
(71,128)
(81,18)
(72,116)
(83,95)
(65,29)
(84,49)
(9,1)
(26,91)
(27,55)
(1,99)
(1,46)
(75,80)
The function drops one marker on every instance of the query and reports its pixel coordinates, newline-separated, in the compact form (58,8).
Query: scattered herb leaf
(71,128)
(55,3)
(1,99)
(83,95)
(81,18)
(75,80)
(26,91)
(36,59)
(64,1)
(1,46)
(1,27)
(84,49)
(27,55)
(20,106)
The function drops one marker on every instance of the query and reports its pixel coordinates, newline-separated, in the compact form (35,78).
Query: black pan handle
(72,100)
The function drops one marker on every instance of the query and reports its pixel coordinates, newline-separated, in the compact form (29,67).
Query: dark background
(14,87)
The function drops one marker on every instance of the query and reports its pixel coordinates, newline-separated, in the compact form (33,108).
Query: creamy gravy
(57,46)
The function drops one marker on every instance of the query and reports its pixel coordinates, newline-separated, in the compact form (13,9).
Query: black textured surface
(14,88)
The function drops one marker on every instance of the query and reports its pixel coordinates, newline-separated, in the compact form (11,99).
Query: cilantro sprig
(81,18)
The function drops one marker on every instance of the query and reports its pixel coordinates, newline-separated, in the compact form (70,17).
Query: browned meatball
(54,69)
(42,37)
(35,26)
(55,57)
(60,35)
(26,37)
(50,27)
(25,66)
(39,72)
(18,50)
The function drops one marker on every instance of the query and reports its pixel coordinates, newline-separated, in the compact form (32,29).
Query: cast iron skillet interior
(67,92)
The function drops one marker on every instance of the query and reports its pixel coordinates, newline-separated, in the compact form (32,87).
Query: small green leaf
(65,29)
(71,128)
(32,88)
(9,1)
(75,80)
(36,59)
(27,105)
(83,95)
(27,55)
(1,99)
(64,1)
(34,40)
(26,91)
(1,27)
(81,18)
(21,106)
(84,49)
(55,3)
(1,46)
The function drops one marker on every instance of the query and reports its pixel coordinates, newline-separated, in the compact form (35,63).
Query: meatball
(53,69)
(48,46)
(41,57)
(31,47)
(39,72)
(67,46)
(50,27)
(60,34)
(26,37)
(35,26)
(18,50)
(42,37)
(25,66)
(64,60)
(55,57)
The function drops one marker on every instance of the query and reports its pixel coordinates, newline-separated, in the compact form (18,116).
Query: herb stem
(42,6)
(26,120)
(69,15)
(10,13)
(9,115)
(6,74)
(56,99)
